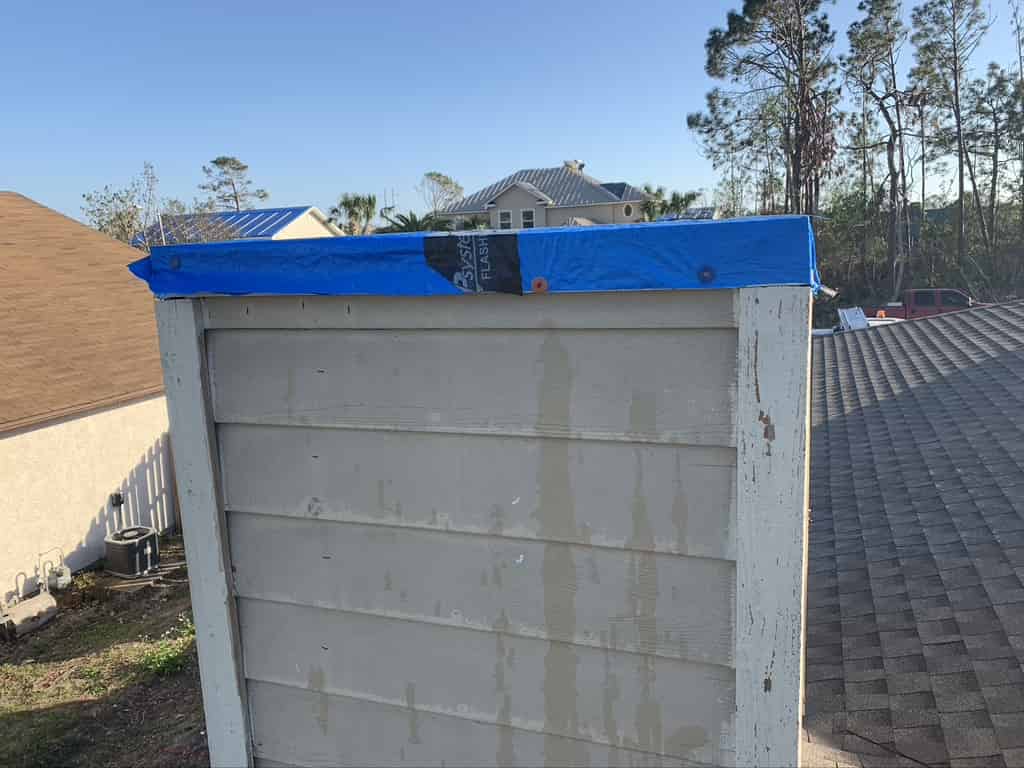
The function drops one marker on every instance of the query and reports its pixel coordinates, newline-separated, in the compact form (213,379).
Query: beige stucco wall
(599,214)
(515,199)
(306,225)
(55,481)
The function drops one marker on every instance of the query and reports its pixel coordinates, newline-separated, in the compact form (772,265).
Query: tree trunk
(904,197)
(994,184)
(896,241)
(864,184)
(895,230)
(961,240)
(982,224)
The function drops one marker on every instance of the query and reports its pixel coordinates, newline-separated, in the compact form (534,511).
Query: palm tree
(474,222)
(658,202)
(653,205)
(678,202)
(354,213)
(410,222)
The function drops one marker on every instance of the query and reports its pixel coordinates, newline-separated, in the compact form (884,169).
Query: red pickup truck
(922,302)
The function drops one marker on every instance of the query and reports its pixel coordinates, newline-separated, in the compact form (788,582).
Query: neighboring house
(915,602)
(82,412)
(550,197)
(259,224)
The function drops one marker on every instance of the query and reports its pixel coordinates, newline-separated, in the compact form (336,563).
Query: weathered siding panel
(484,484)
(608,697)
(318,729)
(639,386)
(678,607)
(650,309)
(495,529)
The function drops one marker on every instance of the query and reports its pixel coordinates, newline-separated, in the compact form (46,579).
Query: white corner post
(772,434)
(193,440)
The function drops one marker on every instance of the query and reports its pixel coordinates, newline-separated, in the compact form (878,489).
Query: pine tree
(229,186)
(946,34)
(775,54)
(870,69)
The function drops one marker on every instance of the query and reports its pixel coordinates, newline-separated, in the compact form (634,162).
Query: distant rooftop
(257,224)
(564,186)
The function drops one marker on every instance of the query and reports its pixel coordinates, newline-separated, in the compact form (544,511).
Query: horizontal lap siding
(649,385)
(481,546)
(651,309)
(490,677)
(483,484)
(491,583)
(306,727)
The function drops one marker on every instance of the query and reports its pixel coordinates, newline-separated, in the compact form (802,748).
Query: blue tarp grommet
(706,274)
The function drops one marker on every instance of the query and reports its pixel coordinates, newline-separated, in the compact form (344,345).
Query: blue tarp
(777,250)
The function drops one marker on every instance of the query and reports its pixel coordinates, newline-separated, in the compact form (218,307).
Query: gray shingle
(917,537)
(969,734)
(1009,730)
(925,744)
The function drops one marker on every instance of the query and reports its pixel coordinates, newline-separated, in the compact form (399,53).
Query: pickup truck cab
(922,302)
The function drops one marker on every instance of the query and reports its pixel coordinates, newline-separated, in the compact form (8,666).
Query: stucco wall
(599,214)
(55,481)
(515,199)
(545,216)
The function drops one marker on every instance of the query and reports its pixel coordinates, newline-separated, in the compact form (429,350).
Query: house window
(504,219)
(527,218)
(627,210)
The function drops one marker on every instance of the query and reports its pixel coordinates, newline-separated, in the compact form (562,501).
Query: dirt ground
(112,680)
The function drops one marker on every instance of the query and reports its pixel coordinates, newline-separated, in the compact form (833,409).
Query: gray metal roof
(564,186)
(915,601)
(526,187)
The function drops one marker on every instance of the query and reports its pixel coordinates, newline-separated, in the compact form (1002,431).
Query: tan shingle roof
(77,330)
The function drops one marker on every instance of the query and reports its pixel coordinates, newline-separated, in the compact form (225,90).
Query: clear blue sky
(327,97)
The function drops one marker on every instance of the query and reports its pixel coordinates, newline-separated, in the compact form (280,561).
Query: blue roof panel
(219,225)
(682,255)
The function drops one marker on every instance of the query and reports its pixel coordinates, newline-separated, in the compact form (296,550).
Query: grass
(172,652)
(112,681)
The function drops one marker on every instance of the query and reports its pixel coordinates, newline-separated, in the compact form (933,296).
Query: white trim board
(186,379)
(772,416)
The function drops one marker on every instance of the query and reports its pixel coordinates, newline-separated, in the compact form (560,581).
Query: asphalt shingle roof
(563,185)
(915,603)
(78,330)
